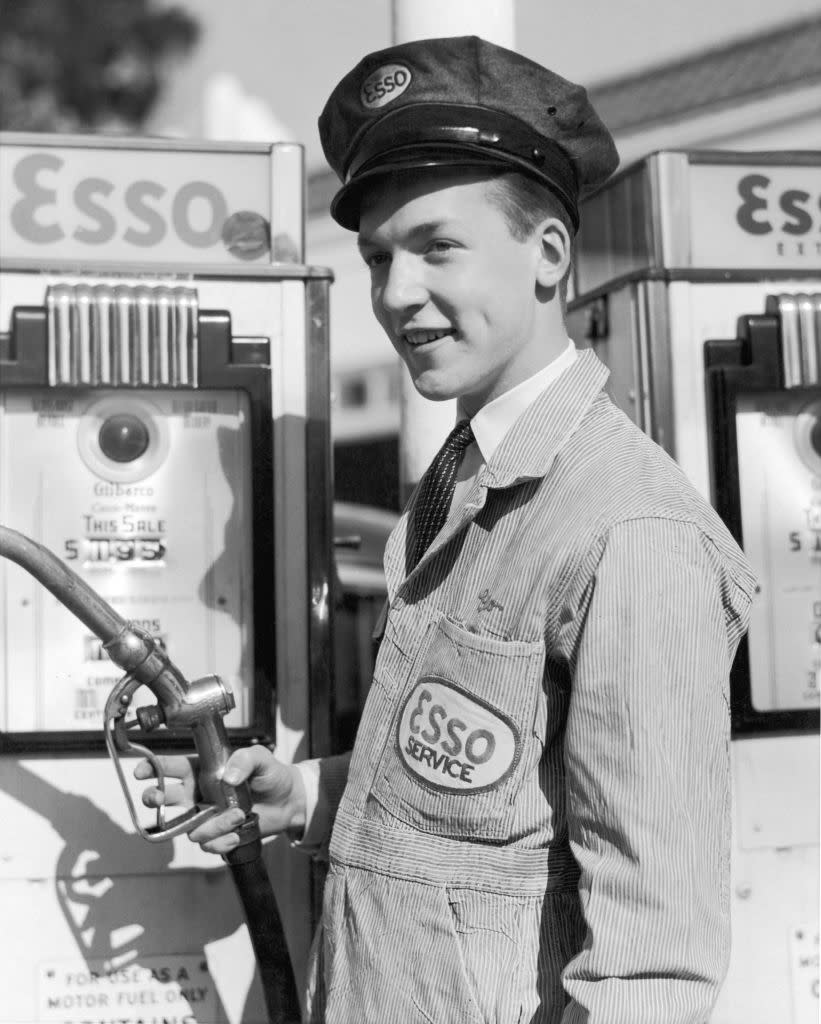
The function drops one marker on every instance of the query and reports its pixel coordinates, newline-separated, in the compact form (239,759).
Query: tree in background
(86,65)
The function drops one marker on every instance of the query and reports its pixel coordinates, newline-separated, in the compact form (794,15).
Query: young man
(533,825)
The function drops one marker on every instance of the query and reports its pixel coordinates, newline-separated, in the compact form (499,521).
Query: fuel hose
(136,653)
(267,934)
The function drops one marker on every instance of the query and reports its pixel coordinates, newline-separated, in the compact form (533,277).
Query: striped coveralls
(535,818)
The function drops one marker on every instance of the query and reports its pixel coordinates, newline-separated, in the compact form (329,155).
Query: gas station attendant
(533,825)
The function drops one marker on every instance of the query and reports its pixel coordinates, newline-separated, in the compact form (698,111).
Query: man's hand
(277,789)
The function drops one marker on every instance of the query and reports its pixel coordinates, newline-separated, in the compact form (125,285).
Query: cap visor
(345,205)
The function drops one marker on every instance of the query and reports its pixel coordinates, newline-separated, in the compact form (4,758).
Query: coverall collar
(527,452)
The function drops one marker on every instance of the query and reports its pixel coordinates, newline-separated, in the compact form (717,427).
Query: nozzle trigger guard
(118,742)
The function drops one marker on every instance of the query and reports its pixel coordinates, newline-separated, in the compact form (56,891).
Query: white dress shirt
(492,421)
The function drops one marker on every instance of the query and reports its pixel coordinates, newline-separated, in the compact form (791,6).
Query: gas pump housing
(164,428)
(697,280)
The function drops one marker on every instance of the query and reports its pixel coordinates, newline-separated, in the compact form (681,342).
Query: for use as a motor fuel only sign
(153,990)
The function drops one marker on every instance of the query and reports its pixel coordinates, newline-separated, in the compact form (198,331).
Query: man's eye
(376,259)
(440,245)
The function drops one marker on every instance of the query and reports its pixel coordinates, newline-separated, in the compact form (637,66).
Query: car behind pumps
(360,535)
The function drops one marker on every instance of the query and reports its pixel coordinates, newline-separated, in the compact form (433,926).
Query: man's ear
(554,253)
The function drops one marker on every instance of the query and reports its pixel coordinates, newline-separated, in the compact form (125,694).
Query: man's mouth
(418,337)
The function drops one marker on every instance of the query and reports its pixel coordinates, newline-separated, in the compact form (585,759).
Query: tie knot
(459,438)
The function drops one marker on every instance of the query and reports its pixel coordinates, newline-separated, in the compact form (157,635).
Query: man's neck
(553,340)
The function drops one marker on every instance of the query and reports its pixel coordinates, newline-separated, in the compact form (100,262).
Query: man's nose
(404,286)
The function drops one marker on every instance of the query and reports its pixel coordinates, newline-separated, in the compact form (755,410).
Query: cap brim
(345,205)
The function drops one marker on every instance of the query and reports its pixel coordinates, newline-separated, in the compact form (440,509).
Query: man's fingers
(269,780)
(174,794)
(222,845)
(174,767)
(216,834)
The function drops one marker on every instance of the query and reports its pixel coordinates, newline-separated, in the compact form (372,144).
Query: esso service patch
(384,84)
(452,741)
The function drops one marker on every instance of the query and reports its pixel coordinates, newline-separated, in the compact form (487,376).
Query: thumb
(251,762)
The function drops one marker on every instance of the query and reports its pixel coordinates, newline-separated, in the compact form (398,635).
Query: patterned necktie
(436,491)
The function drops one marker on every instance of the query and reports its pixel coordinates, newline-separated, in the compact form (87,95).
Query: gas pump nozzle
(199,706)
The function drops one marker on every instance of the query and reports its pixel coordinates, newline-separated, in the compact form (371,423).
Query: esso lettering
(432,723)
(96,210)
(384,85)
(764,210)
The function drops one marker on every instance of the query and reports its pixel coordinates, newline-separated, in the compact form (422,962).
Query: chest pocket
(462,736)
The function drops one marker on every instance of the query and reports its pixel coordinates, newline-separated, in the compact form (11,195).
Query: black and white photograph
(410,512)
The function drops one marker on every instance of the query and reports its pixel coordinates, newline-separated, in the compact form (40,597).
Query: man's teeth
(422,337)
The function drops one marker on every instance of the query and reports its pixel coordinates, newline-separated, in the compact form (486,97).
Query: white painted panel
(775,884)
(777,792)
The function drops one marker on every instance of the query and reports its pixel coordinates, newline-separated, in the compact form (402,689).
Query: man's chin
(435,392)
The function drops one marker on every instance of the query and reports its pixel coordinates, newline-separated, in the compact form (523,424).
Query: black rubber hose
(266,932)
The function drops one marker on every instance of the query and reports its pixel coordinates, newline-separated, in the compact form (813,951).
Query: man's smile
(422,336)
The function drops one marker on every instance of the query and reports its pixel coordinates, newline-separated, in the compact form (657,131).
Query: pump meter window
(144,494)
(779,458)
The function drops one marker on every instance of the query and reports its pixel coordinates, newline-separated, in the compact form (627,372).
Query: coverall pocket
(390,954)
(461,734)
(488,930)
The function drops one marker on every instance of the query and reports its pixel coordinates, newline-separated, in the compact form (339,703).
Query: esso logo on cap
(452,741)
(384,84)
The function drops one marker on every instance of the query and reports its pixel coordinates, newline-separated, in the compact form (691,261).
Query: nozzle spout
(129,647)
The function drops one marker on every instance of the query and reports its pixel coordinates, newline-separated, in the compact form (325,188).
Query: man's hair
(525,203)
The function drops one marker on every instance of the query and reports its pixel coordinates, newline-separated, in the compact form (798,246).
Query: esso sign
(140,205)
(755,216)
(766,208)
(195,213)
(385,84)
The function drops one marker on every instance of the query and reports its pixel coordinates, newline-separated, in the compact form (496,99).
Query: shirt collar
(526,452)
(494,420)
(530,446)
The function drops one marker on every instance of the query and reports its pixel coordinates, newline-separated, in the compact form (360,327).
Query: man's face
(454,291)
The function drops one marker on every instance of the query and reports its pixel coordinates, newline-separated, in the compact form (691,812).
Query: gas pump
(164,411)
(698,282)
